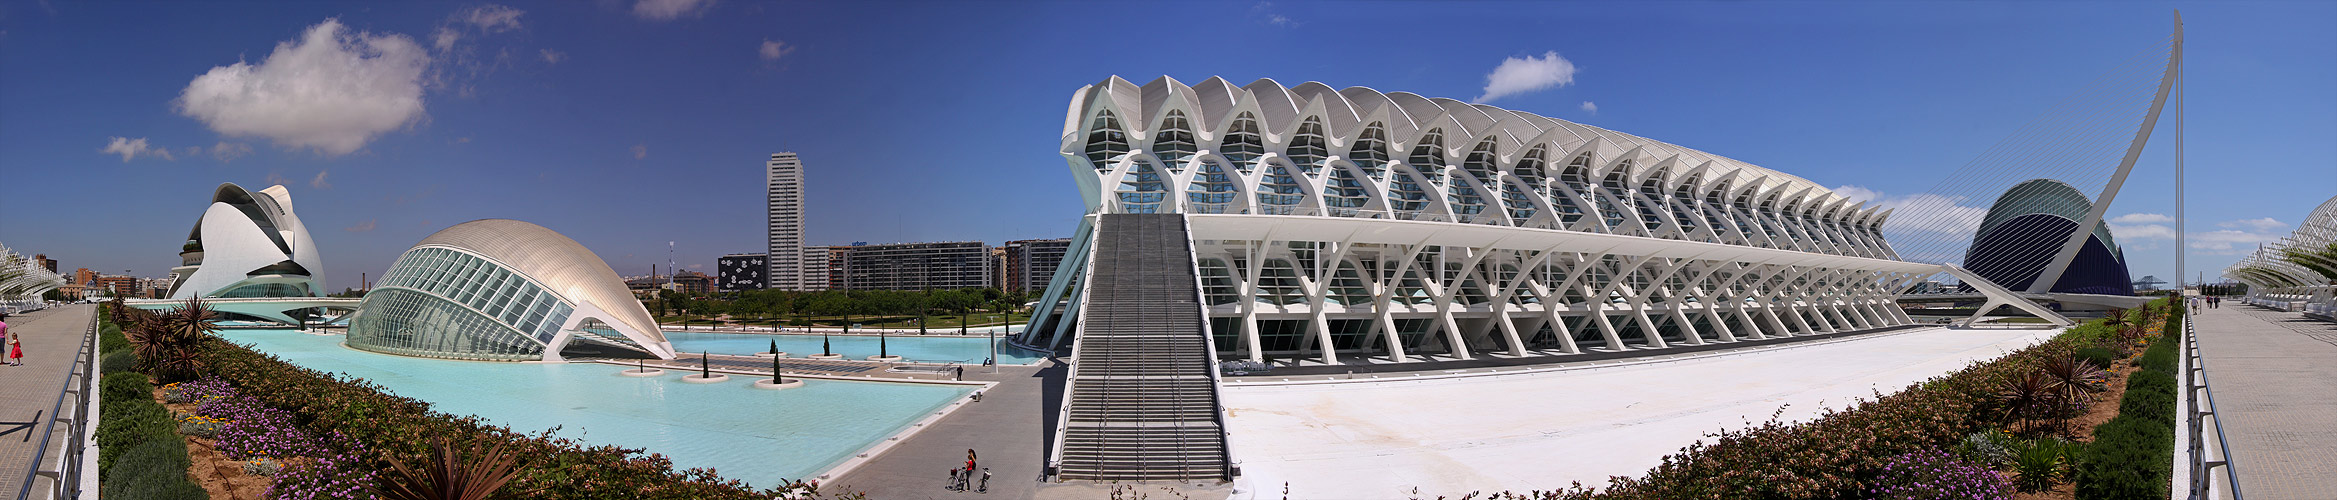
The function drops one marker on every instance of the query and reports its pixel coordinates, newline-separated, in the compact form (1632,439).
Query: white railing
(65,476)
(2194,386)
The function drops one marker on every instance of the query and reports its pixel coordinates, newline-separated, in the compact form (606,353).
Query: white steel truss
(1331,223)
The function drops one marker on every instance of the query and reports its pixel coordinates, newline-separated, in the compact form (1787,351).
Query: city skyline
(517,110)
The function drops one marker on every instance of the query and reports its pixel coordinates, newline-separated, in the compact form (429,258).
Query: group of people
(964,479)
(15,347)
(2208,302)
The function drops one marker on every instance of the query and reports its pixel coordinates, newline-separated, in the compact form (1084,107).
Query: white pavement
(1546,430)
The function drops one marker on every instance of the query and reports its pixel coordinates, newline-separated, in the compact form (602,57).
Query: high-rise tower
(783,176)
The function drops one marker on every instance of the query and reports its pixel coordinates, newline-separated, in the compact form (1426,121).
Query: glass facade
(440,302)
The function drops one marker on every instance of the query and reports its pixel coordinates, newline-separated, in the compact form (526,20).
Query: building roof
(562,265)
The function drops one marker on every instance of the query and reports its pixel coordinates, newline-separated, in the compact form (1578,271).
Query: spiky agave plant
(2023,395)
(170,345)
(446,475)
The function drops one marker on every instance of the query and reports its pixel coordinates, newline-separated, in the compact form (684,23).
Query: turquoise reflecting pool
(754,435)
(971,349)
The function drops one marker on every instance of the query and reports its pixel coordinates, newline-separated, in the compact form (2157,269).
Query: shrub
(1990,447)
(129,418)
(2042,463)
(2098,356)
(1935,475)
(117,361)
(2132,455)
(110,339)
(154,470)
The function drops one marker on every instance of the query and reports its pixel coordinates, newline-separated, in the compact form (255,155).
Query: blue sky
(628,124)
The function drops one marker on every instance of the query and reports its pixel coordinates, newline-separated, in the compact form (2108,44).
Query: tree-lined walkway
(50,338)
(2275,380)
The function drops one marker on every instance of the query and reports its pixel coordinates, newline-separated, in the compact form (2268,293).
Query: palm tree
(170,346)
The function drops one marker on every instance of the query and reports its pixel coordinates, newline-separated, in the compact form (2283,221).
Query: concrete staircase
(1142,402)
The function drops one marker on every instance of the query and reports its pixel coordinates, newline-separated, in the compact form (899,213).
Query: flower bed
(139,451)
(1894,439)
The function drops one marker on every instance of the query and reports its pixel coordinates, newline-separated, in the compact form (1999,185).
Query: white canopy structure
(499,289)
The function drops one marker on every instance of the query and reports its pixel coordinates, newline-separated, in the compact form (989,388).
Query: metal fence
(2196,389)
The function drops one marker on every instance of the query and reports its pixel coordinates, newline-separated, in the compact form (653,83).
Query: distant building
(84,276)
(247,244)
(744,271)
(917,266)
(816,269)
(1030,264)
(835,268)
(44,261)
(998,267)
(2148,283)
(783,214)
(693,282)
(118,286)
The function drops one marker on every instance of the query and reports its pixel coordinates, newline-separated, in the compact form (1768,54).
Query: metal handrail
(67,475)
(1071,372)
(2194,383)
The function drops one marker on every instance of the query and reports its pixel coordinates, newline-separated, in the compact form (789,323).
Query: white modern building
(2298,272)
(248,244)
(23,280)
(783,200)
(1326,223)
(501,290)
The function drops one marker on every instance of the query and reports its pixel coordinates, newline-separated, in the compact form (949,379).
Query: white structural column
(1330,225)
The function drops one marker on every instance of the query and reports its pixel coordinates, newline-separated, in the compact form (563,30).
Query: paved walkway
(1423,437)
(50,338)
(2275,380)
(1008,429)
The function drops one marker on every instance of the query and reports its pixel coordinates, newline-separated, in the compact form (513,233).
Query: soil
(2081,428)
(222,477)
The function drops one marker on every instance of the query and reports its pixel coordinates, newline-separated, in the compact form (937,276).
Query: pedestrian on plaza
(4,330)
(15,351)
(969,461)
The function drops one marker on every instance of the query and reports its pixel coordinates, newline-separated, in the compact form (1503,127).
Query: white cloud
(491,18)
(553,56)
(2234,241)
(133,148)
(640,151)
(1517,76)
(2133,232)
(773,50)
(1922,212)
(2141,219)
(228,151)
(368,225)
(2263,224)
(444,38)
(667,10)
(319,182)
(1590,107)
(330,91)
(1265,11)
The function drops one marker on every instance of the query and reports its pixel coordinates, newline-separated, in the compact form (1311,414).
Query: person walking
(4,337)
(15,349)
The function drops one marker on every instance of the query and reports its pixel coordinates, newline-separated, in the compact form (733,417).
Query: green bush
(2132,455)
(117,361)
(2041,463)
(2101,357)
(155,470)
(128,417)
(110,339)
